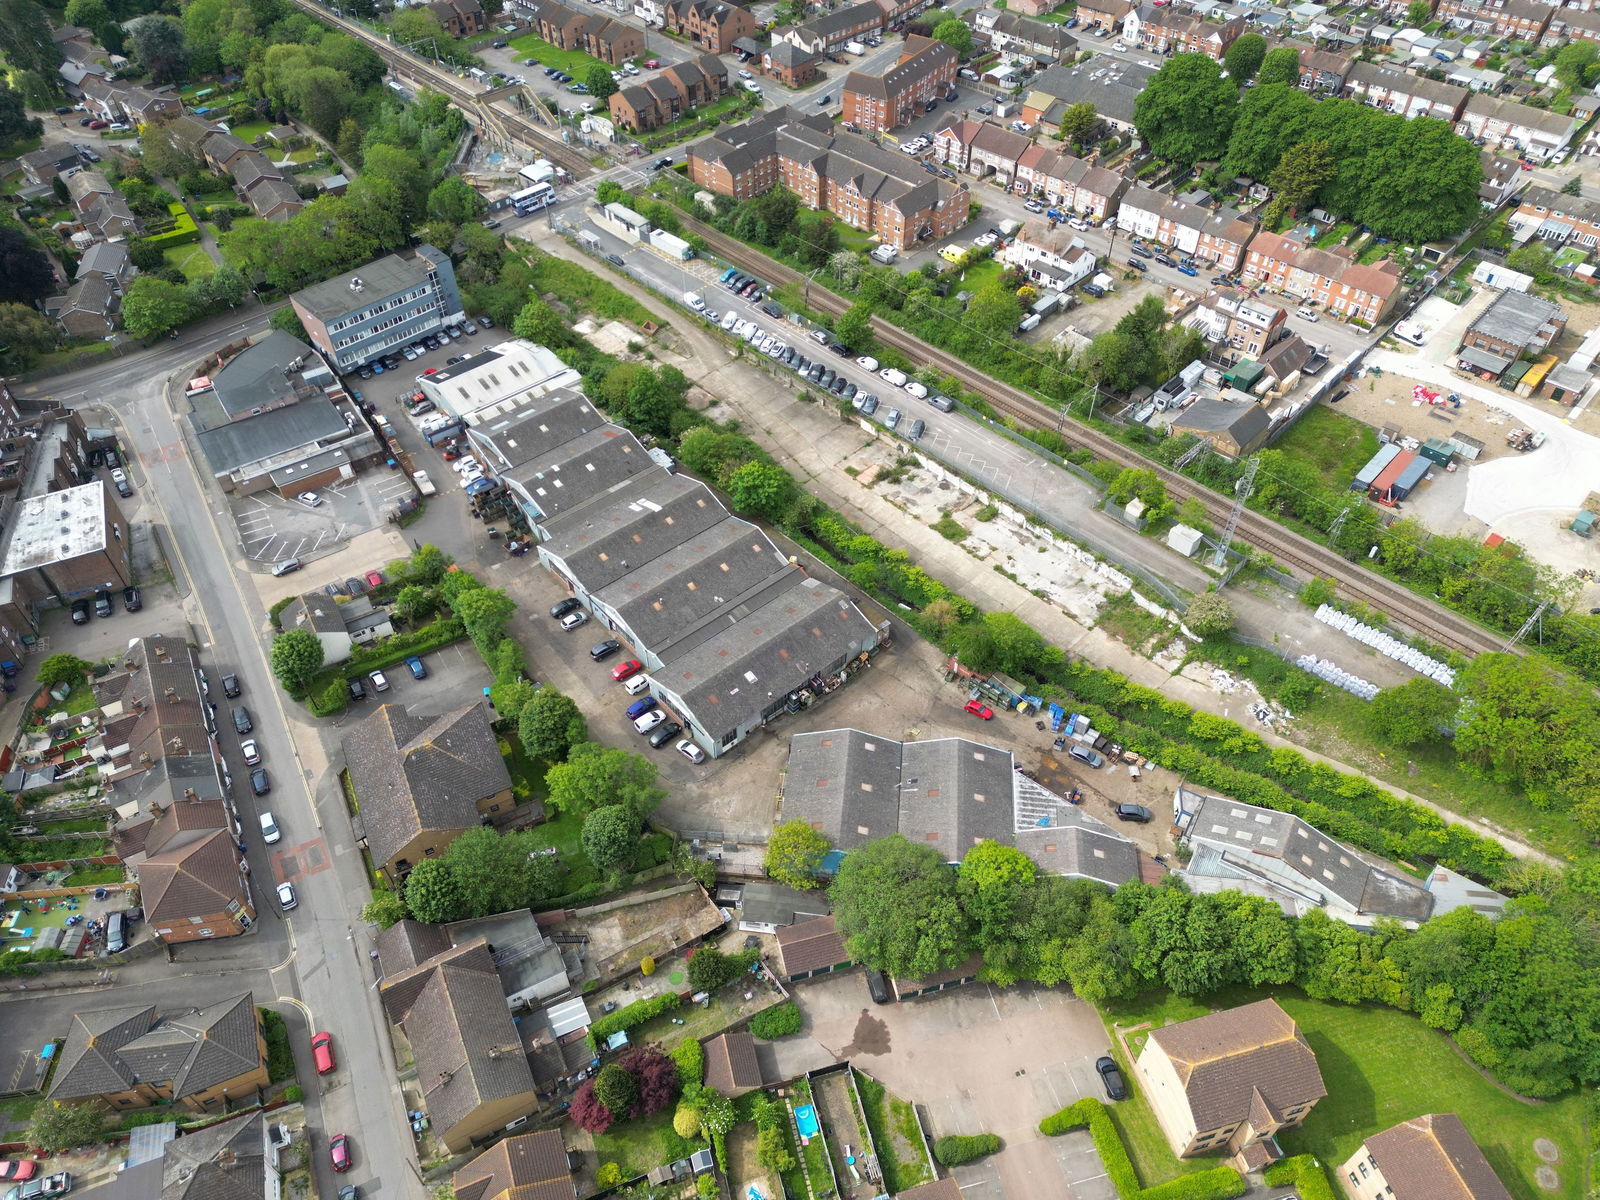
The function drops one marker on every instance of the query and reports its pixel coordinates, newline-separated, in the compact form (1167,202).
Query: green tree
(493,872)
(896,903)
(157,42)
(15,123)
(1079,122)
(1420,182)
(762,490)
(956,34)
(62,668)
(794,854)
(1186,111)
(1209,614)
(610,837)
(600,81)
(686,1121)
(1412,713)
(296,656)
(1300,174)
(432,894)
(550,725)
(1575,63)
(454,199)
(596,775)
(609,191)
(1419,13)
(616,1088)
(58,1127)
(772,1143)
(1272,117)
(25,273)
(384,909)
(538,322)
(485,613)
(717,1115)
(1281,65)
(1243,59)
(90,14)
(854,326)
(993,313)
(1002,641)
(25,333)
(27,47)
(1520,722)
(153,307)
(419,28)
(286,321)
(1192,512)
(1572,187)
(415,603)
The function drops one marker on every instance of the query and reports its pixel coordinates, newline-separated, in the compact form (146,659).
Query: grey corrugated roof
(767,903)
(604,543)
(292,427)
(1243,421)
(1516,317)
(413,773)
(844,783)
(534,427)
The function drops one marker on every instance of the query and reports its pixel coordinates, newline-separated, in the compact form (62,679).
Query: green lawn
(574,62)
(586,291)
(733,100)
(637,1146)
(1382,1067)
(1335,444)
(250,130)
(981,275)
(193,261)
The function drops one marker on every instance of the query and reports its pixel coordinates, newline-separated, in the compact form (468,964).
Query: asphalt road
(315,959)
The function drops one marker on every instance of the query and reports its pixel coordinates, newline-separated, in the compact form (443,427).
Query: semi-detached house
(1219,234)
(1052,258)
(1408,95)
(981,148)
(1010,34)
(1343,286)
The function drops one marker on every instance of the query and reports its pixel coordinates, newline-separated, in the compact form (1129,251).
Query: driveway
(456,676)
(977,1059)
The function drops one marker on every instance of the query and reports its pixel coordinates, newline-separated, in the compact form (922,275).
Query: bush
(331,698)
(276,611)
(280,1056)
(633,1014)
(293,1094)
(690,1056)
(1302,1172)
(957,1149)
(776,1022)
(1219,1183)
(609,1175)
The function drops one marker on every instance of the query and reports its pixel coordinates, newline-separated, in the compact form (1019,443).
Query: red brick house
(1344,287)
(789,64)
(878,103)
(675,92)
(460,18)
(712,24)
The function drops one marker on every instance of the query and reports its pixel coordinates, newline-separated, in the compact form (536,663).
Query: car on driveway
(1134,812)
(979,709)
(358,690)
(322,1053)
(1116,1088)
(374,578)
(58,1184)
(339,1152)
(131,600)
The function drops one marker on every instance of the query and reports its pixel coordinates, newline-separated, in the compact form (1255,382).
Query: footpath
(814,444)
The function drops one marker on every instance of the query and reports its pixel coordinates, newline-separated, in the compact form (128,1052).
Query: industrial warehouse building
(729,630)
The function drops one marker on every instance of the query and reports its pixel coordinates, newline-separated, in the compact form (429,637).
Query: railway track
(510,124)
(1297,553)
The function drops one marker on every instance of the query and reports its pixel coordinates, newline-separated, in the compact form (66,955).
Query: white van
(1031,321)
(892,376)
(636,685)
(693,302)
(885,254)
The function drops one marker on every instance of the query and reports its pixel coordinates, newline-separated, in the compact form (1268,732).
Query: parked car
(414,665)
(663,734)
(562,607)
(322,1053)
(80,612)
(374,578)
(1134,812)
(1085,755)
(692,752)
(241,720)
(601,651)
(102,603)
(18,1169)
(230,685)
(260,781)
(251,752)
(380,682)
(625,670)
(1116,1088)
(573,620)
(286,566)
(979,709)
(339,1152)
(131,600)
(270,833)
(647,722)
(877,987)
(58,1184)
(358,690)
(310,499)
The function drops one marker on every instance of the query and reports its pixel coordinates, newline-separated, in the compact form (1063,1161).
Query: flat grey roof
(263,374)
(56,527)
(238,443)
(379,278)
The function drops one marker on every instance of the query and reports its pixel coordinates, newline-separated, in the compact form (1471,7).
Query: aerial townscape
(800,599)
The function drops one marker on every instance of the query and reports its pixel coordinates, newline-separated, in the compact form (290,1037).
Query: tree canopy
(1186,111)
(596,775)
(896,904)
(794,854)
(1243,59)
(956,34)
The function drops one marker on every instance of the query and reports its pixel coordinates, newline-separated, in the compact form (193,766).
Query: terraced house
(664,98)
(1068,182)
(860,183)
(877,103)
(1535,133)
(1345,287)
(1218,234)
(710,24)
(612,42)
(1558,219)
(1169,31)
(1408,95)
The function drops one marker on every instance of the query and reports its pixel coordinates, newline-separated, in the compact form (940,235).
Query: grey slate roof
(381,277)
(226,1161)
(766,903)
(239,443)
(1243,421)
(113,1049)
(413,773)
(1110,88)
(104,258)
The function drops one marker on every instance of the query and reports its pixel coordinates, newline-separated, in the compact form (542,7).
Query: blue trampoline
(805,1120)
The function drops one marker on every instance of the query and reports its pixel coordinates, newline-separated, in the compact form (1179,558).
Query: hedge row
(1234,760)
(1219,1183)
(1305,1174)
(182,233)
(957,1149)
(779,1021)
(633,1014)
(329,691)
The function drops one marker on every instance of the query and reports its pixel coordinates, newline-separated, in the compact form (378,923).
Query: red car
(18,1169)
(97,124)
(374,578)
(979,709)
(624,670)
(339,1152)
(652,63)
(322,1053)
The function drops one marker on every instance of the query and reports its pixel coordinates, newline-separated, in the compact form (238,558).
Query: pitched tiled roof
(113,1049)
(1433,1157)
(530,1166)
(811,945)
(226,1161)
(413,773)
(192,878)
(1230,1061)
(731,1064)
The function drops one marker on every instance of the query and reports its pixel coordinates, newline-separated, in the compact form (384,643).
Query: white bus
(531,200)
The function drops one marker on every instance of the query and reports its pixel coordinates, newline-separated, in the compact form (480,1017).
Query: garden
(574,62)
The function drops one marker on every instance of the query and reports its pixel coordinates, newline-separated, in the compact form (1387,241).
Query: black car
(124,488)
(102,603)
(877,987)
(550,72)
(604,650)
(242,723)
(663,163)
(1142,252)
(358,690)
(839,348)
(662,734)
(259,783)
(869,405)
(1134,812)
(773,309)
(826,378)
(131,600)
(80,612)
(788,355)
(1111,1077)
(615,260)
(837,386)
(562,607)
(850,391)
(230,686)
(1137,265)
(1166,260)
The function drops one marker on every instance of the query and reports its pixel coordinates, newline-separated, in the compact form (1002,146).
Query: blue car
(1187,271)
(414,665)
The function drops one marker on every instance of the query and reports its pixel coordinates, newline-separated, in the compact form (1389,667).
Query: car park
(648,721)
(1134,812)
(251,752)
(979,709)
(662,734)
(1106,1067)
(1085,755)
(573,620)
(260,782)
(414,665)
(690,751)
(322,1053)
(380,682)
(270,833)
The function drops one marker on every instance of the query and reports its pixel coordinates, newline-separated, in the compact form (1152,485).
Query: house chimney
(144,758)
(155,809)
(190,796)
(171,694)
